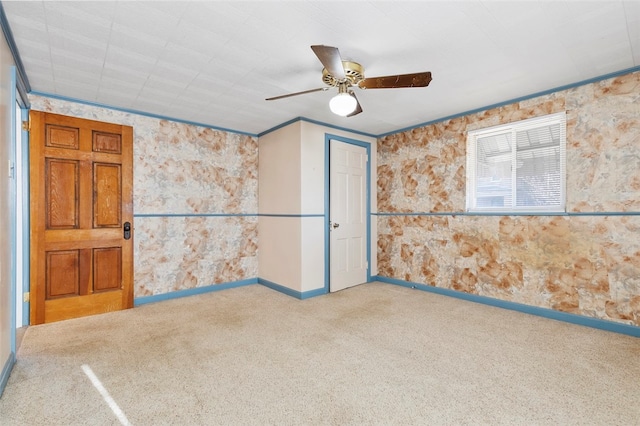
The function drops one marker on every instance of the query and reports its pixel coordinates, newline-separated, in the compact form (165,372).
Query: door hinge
(26,125)
(25,297)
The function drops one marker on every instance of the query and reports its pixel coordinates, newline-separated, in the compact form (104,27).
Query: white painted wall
(311,168)
(279,186)
(291,176)
(279,171)
(279,255)
(312,253)
(6,62)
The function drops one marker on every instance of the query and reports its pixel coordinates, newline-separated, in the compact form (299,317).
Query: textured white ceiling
(215,62)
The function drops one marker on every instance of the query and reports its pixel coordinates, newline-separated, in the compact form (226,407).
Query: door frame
(327,203)
(18,104)
(20,212)
(26,218)
(13,204)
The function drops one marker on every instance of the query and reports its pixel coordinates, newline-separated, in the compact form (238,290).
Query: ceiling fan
(346,74)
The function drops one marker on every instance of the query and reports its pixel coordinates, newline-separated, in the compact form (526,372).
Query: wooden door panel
(106,196)
(62,137)
(63,274)
(61,181)
(81,174)
(107,142)
(60,240)
(75,307)
(107,267)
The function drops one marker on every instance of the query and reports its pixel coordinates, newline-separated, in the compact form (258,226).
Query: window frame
(512,129)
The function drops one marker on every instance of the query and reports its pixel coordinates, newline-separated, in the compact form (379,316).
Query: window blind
(518,167)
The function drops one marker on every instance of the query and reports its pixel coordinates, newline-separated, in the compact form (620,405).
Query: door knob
(127,230)
(334,225)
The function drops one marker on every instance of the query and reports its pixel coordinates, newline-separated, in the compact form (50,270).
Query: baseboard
(601,324)
(289,292)
(217,287)
(6,371)
(192,291)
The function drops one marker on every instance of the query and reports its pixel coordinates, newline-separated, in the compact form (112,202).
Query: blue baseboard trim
(192,291)
(293,293)
(138,301)
(527,309)
(6,371)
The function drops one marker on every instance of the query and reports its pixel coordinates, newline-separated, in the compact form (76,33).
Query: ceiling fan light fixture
(343,104)
(347,74)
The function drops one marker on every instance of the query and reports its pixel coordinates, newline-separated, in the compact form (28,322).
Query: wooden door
(348,211)
(81,199)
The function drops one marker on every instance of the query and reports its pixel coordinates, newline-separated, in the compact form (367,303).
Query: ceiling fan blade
(420,79)
(358,109)
(330,58)
(298,93)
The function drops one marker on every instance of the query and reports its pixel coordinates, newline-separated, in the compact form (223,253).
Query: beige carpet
(373,354)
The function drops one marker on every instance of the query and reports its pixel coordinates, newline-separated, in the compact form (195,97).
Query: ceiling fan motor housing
(353,71)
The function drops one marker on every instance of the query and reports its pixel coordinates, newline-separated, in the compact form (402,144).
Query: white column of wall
(279,189)
(312,197)
(291,202)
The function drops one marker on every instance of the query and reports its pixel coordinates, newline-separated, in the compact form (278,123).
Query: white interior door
(348,215)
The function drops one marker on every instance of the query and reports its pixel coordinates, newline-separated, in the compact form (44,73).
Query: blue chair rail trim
(228,214)
(527,309)
(570,214)
(290,215)
(194,214)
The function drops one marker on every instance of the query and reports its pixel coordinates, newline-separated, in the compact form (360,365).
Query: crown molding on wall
(320,123)
(358,132)
(193,123)
(24,88)
(142,113)
(515,100)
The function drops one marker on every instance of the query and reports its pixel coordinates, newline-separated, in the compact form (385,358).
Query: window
(518,167)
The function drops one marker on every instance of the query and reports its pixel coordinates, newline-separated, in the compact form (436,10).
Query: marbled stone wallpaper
(193,185)
(177,253)
(587,263)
